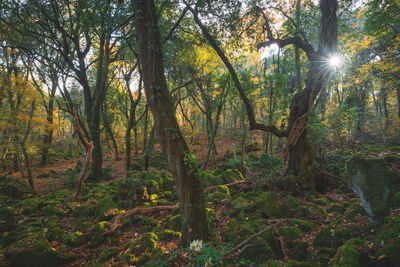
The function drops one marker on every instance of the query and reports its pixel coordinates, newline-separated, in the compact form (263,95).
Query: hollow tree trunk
(187,180)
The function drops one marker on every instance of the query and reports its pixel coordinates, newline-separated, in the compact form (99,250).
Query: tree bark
(186,174)
(48,132)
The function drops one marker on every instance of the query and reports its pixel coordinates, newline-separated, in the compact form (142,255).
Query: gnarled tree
(298,153)
(185,171)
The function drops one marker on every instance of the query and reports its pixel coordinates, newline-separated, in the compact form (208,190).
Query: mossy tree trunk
(181,164)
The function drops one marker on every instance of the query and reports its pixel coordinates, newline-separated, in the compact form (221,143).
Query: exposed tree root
(117,222)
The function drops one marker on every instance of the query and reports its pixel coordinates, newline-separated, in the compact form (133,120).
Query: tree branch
(249,108)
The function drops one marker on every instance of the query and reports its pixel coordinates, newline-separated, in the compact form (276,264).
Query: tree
(298,154)
(180,159)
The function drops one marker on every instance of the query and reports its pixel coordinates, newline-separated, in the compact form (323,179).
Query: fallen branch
(210,188)
(323,172)
(245,242)
(136,211)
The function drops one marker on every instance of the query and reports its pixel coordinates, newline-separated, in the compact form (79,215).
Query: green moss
(33,252)
(321,201)
(150,240)
(336,207)
(388,236)
(51,210)
(314,210)
(30,206)
(375,182)
(54,232)
(347,255)
(299,251)
(104,204)
(268,205)
(396,199)
(74,239)
(290,233)
(129,258)
(230,176)
(354,209)
(259,252)
(303,225)
(174,222)
(143,259)
(98,231)
(8,217)
(108,253)
(219,194)
(169,234)
(289,206)
(84,210)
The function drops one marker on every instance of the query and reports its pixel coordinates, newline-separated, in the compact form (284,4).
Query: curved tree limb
(254,125)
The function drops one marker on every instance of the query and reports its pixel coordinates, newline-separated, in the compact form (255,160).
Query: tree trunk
(48,132)
(109,130)
(187,178)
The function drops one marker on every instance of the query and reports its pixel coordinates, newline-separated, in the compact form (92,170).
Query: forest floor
(321,229)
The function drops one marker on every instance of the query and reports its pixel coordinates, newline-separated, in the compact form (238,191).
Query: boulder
(375,181)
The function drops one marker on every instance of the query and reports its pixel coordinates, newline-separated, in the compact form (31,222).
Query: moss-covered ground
(319,229)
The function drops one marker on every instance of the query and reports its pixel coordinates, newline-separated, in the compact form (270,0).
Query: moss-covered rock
(97,233)
(387,239)
(174,222)
(169,234)
(349,255)
(51,210)
(33,252)
(150,241)
(303,225)
(105,204)
(8,219)
(84,210)
(354,209)
(289,206)
(74,239)
(290,233)
(143,259)
(259,252)
(53,231)
(336,207)
(268,205)
(129,257)
(13,188)
(375,182)
(321,201)
(108,253)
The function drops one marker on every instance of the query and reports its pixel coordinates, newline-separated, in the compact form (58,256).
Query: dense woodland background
(200,133)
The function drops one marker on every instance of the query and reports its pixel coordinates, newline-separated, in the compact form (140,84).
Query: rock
(375,182)
(269,206)
(74,239)
(8,219)
(150,239)
(348,255)
(129,257)
(387,239)
(32,252)
(169,234)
